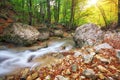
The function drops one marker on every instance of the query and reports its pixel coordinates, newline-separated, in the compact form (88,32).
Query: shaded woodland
(70,13)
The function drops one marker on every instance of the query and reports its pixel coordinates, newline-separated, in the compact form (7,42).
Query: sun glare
(92,2)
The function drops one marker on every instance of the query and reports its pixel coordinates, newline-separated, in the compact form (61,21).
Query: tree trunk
(56,10)
(65,12)
(118,12)
(23,13)
(103,15)
(30,12)
(3,2)
(41,12)
(72,14)
(48,13)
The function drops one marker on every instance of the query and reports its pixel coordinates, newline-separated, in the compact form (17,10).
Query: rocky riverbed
(101,62)
(95,58)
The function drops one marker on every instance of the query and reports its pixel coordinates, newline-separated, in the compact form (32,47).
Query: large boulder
(20,34)
(44,33)
(88,34)
(56,32)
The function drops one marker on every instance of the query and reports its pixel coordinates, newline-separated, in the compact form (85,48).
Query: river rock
(59,77)
(74,67)
(88,57)
(35,75)
(118,54)
(102,68)
(77,53)
(57,32)
(29,77)
(48,77)
(89,73)
(20,34)
(88,34)
(102,46)
(44,33)
(102,59)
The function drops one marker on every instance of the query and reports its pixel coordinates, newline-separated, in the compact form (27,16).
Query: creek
(11,60)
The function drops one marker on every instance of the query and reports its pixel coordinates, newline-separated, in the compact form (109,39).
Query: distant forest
(66,12)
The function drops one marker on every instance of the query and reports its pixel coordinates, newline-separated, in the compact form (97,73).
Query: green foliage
(61,11)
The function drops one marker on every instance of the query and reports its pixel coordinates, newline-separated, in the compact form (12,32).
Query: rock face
(20,34)
(88,34)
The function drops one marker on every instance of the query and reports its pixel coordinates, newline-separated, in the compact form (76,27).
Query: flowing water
(11,60)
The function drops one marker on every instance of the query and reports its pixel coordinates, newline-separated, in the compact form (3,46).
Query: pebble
(101,76)
(89,57)
(101,46)
(68,71)
(77,54)
(74,67)
(24,73)
(102,69)
(48,77)
(29,77)
(75,75)
(102,59)
(59,77)
(10,78)
(35,75)
(118,54)
(81,77)
(38,79)
(89,73)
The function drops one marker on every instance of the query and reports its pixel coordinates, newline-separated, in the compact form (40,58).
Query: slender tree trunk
(72,14)
(3,2)
(23,13)
(119,13)
(42,12)
(56,10)
(48,12)
(65,12)
(103,15)
(30,12)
